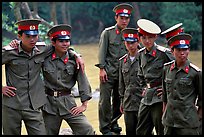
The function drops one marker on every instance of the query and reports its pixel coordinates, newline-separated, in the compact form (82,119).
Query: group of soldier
(153,86)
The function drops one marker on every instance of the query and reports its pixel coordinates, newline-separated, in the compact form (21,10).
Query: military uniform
(150,71)
(111,48)
(23,73)
(129,84)
(60,76)
(182,92)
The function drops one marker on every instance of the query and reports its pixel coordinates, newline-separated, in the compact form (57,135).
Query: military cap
(123,9)
(28,26)
(180,41)
(130,34)
(174,30)
(62,31)
(147,27)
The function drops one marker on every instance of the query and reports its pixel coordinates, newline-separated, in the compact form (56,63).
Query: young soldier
(111,48)
(60,75)
(24,95)
(182,90)
(129,83)
(151,61)
(23,62)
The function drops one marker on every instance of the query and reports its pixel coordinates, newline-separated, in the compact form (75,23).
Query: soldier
(111,48)
(172,31)
(151,61)
(23,62)
(129,83)
(182,90)
(24,94)
(60,75)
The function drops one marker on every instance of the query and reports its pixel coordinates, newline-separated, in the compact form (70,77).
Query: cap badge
(182,41)
(32,27)
(125,11)
(63,32)
(130,35)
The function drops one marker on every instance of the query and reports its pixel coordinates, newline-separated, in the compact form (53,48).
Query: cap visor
(31,32)
(182,46)
(63,37)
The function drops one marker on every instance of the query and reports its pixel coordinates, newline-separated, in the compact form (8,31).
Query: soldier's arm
(103,46)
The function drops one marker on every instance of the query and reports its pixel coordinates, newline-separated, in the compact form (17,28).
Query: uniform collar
(185,68)
(34,49)
(152,52)
(64,58)
(117,30)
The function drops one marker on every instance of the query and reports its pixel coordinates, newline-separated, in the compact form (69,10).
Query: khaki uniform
(60,75)
(182,91)
(23,73)
(150,71)
(111,48)
(130,92)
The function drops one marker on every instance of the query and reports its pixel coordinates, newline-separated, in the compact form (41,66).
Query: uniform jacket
(111,48)
(182,91)
(129,84)
(150,70)
(62,74)
(23,73)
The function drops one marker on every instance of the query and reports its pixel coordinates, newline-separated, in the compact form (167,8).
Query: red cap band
(130,36)
(173,33)
(126,11)
(61,33)
(28,27)
(145,33)
(177,42)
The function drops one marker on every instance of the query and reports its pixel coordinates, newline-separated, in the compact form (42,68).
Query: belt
(57,93)
(154,84)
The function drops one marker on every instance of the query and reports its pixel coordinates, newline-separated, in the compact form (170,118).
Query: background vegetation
(88,19)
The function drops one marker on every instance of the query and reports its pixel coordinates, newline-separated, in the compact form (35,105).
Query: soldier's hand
(77,110)
(14,43)
(80,63)
(144,91)
(8,91)
(103,76)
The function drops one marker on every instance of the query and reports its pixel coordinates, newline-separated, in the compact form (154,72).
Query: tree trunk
(26,8)
(64,15)
(136,14)
(53,13)
(17,12)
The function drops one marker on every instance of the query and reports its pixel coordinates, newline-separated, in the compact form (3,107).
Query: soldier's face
(61,45)
(181,54)
(28,41)
(132,47)
(148,40)
(122,21)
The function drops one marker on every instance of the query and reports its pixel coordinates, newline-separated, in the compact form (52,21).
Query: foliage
(87,16)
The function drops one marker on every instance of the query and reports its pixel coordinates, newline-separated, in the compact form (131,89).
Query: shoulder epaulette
(40,44)
(195,67)
(140,50)
(165,64)
(163,49)
(123,57)
(109,28)
(8,47)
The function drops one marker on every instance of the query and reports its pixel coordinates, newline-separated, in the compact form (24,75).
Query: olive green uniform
(60,75)
(182,91)
(111,48)
(150,111)
(23,73)
(130,92)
